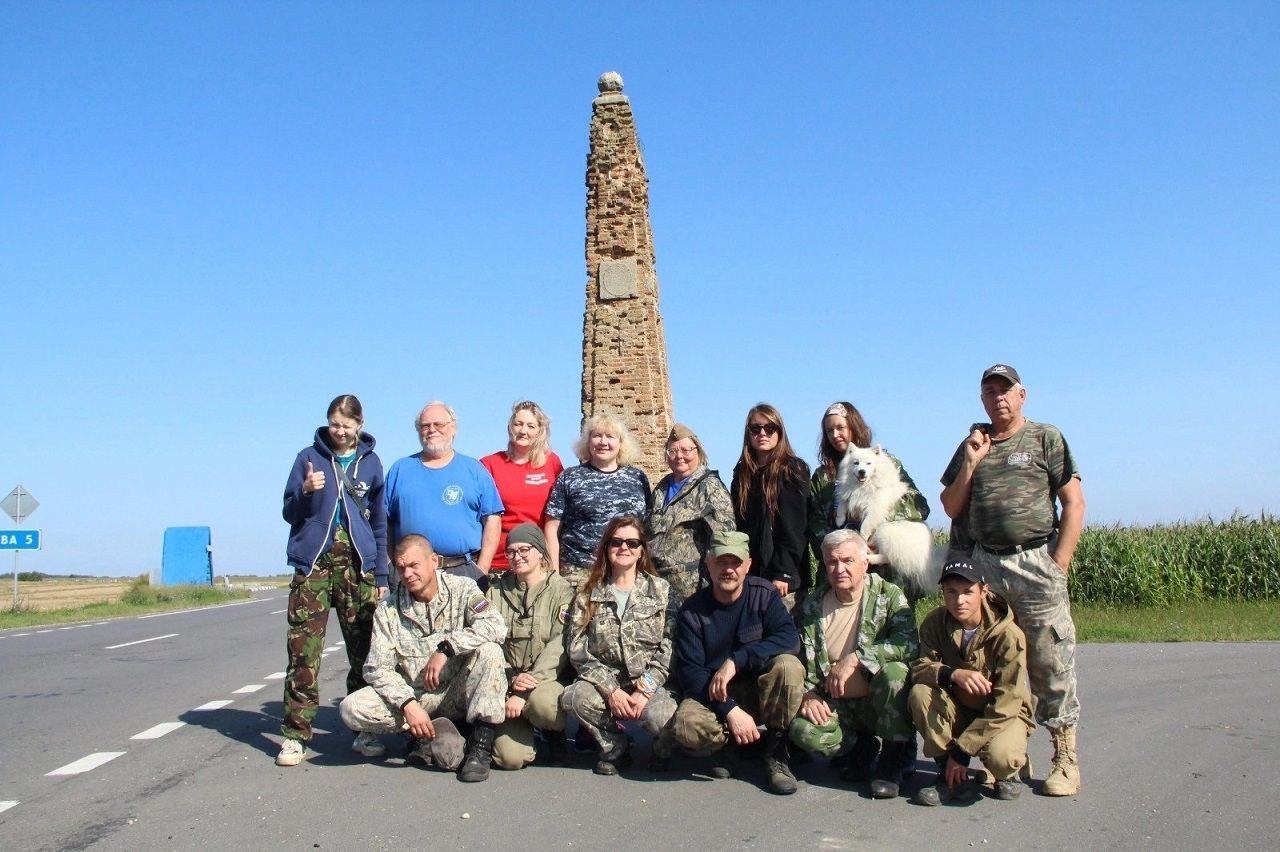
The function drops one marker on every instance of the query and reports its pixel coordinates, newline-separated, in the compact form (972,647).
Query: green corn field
(1235,559)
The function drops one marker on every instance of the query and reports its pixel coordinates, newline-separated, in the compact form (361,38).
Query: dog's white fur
(868,487)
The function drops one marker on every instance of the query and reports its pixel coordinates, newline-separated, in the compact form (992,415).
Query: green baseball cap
(733,542)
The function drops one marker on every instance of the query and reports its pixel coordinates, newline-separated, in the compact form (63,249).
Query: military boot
(725,762)
(480,755)
(614,759)
(781,781)
(889,769)
(861,758)
(557,748)
(1064,777)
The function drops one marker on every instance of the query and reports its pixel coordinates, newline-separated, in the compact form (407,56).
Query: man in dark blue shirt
(736,656)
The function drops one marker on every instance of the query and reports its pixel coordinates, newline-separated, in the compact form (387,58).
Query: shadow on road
(330,744)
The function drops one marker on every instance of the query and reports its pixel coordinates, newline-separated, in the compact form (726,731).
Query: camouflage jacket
(406,633)
(998,650)
(912,506)
(680,530)
(886,633)
(612,652)
(536,622)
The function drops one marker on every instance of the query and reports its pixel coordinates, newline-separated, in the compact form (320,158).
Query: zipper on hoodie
(328,533)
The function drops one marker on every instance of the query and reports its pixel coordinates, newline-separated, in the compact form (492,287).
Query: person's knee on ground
(513,746)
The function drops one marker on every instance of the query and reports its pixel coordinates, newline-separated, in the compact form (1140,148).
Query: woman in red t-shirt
(524,473)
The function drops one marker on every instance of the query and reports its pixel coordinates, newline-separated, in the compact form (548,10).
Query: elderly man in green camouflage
(858,637)
(435,657)
(1001,491)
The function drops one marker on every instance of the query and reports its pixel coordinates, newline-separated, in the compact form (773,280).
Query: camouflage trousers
(939,718)
(334,583)
(1036,590)
(683,579)
(883,712)
(585,702)
(473,687)
(772,698)
(513,747)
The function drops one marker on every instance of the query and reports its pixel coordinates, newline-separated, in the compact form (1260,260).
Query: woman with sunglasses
(770,494)
(620,645)
(690,504)
(843,427)
(535,603)
(524,472)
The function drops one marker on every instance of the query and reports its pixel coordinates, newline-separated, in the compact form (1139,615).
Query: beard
(438,447)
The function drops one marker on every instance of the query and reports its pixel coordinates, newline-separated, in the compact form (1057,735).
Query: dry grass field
(45,595)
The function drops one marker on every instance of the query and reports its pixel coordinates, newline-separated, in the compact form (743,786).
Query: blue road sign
(19,540)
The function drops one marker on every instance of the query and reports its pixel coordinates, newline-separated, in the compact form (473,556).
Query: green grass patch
(140,598)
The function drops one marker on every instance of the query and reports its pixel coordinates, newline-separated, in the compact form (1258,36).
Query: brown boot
(1064,777)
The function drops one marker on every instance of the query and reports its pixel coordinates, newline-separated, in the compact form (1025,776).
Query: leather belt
(1017,548)
(455,561)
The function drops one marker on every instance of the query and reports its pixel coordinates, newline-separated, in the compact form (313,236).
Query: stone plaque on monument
(618,278)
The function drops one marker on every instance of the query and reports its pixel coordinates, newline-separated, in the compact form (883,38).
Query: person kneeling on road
(970,695)
(535,604)
(434,659)
(858,636)
(736,649)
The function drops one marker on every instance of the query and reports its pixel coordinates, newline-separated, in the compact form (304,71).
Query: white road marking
(322,656)
(253,687)
(4,806)
(50,630)
(84,764)
(205,608)
(22,634)
(276,676)
(213,705)
(140,641)
(278,611)
(331,649)
(158,731)
(340,644)
(69,627)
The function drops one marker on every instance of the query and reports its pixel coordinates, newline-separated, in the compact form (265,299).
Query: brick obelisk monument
(624,349)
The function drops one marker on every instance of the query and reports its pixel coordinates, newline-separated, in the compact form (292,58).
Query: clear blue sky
(216,216)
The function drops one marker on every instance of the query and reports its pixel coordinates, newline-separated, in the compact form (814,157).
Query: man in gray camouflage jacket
(435,658)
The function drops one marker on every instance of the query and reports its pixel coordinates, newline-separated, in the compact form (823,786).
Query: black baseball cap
(1003,371)
(962,568)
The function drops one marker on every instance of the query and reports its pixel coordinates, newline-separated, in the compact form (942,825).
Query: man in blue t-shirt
(447,497)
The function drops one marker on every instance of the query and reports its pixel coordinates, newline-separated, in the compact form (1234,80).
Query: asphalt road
(1178,743)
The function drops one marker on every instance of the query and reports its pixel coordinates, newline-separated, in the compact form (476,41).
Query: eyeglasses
(681,451)
(439,426)
(514,553)
(767,428)
(631,543)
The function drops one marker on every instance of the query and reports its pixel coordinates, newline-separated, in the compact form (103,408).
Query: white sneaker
(368,745)
(292,752)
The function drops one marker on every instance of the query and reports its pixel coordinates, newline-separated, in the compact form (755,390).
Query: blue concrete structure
(188,558)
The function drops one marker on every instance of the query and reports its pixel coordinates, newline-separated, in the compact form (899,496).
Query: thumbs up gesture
(312,481)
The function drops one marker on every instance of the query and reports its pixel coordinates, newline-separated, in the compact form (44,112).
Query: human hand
(620,704)
(523,682)
(813,708)
(782,586)
(841,673)
(971,682)
(418,722)
(977,446)
(515,706)
(718,689)
(381,593)
(431,673)
(742,727)
(312,481)
(955,773)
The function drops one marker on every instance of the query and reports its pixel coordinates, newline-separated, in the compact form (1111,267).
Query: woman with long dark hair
(770,503)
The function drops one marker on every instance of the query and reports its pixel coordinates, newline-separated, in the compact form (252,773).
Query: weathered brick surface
(624,349)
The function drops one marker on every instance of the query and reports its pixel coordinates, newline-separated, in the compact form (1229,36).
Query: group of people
(525,593)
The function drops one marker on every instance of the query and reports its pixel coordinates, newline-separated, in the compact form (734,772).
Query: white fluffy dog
(868,490)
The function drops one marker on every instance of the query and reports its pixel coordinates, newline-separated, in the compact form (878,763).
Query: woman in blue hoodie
(338,550)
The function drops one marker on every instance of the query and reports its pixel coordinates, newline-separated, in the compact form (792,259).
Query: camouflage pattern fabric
(613,652)
(335,582)
(472,687)
(883,712)
(586,499)
(1014,488)
(680,531)
(591,709)
(772,698)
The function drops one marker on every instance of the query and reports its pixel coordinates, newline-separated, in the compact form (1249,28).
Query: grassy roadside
(139,600)
(1203,621)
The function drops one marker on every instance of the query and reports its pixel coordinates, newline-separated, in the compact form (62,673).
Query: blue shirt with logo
(448,504)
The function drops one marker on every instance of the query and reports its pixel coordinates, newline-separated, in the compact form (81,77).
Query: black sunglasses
(767,428)
(631,543)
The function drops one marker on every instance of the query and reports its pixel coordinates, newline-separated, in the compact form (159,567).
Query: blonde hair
(678,433)
(628,449)
(539,447)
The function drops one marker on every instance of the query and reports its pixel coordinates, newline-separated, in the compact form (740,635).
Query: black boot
(480,755)
(615,759)
(781,781)
(725,762)
(557,748)
(893,760)
(860,759)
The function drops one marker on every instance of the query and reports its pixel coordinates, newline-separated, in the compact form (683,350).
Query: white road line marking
(331,649)
(84,764)
(204,608)
(278,611)
(158,731)
(22,634)
(69,627)
(245,690)
(50,630)
(322,656)
(276,676)
(140,641)
(340,644)
(4,806)
(213,705)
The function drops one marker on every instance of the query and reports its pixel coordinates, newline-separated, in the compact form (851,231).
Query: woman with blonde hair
(690,504)
(585,498)
(524,473)
(620,637)
(770,503)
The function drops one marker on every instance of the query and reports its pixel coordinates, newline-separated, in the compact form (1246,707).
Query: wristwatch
(445,648)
